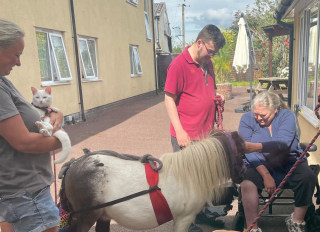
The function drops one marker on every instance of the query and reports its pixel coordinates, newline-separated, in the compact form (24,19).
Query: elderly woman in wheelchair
(270,130)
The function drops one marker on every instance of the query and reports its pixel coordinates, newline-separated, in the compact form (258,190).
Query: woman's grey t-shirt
(20,172)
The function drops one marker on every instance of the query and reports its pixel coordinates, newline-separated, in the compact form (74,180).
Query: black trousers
(302,181)
(175,145)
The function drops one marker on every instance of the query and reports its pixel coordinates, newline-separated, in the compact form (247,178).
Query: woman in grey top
(25,162)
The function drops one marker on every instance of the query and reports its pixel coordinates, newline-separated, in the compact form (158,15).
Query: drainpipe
(291,30)
(154,50)
(281,9)
(75,39)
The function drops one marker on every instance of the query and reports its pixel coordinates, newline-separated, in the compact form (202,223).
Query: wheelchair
(284,198)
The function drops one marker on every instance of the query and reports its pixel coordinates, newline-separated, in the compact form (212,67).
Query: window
(54,66)
(308,75)
(146,19)
(88,56)
(133,2)
(136,68)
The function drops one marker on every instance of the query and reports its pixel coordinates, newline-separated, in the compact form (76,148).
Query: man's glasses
(211,52)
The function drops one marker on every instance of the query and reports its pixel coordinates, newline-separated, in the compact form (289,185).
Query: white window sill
(91,80)
(45,84)
(138,75)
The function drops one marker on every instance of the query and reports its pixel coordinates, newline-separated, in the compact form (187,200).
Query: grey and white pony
(188,180)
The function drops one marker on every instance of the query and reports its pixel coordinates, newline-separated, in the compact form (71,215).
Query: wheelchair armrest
(312,148)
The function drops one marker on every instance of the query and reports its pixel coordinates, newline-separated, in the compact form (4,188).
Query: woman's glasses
(263,116)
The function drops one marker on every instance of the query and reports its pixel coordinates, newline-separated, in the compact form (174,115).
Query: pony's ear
(239,141)
(34,90)
(48,90)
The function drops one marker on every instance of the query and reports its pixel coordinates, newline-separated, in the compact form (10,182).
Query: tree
(222,62)
(177,49)
(262,14)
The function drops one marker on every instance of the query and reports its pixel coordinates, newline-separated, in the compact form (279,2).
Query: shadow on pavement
(111,116)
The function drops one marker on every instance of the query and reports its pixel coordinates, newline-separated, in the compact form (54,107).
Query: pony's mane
(202,165)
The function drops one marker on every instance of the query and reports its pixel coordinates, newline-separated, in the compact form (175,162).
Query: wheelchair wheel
(238,223)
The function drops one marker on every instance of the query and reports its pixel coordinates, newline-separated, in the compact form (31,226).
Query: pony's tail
(65,224)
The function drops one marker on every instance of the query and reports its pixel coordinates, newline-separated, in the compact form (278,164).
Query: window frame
(147,20)
(133,2)
(53,61)
(93,64)
(303,65)
(135,61)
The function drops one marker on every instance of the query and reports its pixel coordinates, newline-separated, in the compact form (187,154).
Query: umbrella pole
(251,78)
(252,57)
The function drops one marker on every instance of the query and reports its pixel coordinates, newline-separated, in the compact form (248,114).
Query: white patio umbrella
(244,53)
(241,59)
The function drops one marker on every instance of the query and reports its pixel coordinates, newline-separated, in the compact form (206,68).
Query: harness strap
(147,158)
(159,203)
(126,198)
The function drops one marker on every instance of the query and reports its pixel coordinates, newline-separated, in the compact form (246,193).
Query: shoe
(253,230)
(295,226)
(194,228)
(203,219)
(256,230)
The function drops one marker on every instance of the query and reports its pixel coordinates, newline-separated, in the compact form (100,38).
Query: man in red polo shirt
(190,90)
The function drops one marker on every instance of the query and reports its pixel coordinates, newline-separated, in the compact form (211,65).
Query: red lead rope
(275,193)
(219,110)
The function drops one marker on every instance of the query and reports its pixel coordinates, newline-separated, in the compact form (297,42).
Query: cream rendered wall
(29,14)
(114,23)
(307,130)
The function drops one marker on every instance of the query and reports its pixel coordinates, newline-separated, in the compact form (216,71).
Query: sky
(199,13)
